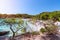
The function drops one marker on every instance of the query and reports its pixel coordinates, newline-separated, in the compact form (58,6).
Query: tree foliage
(55,15)
(13,21)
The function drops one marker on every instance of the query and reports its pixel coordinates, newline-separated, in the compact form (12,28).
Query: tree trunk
(12,32)
(13,37)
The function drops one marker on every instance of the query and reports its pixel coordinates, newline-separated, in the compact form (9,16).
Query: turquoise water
(29,27)
(5,27)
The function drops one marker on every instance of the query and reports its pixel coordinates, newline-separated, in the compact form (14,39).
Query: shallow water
(29,27)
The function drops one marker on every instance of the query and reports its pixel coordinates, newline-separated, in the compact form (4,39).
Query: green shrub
(42,30)
(35,33)
(50,28)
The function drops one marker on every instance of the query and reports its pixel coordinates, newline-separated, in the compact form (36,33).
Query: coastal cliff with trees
(40,27)
(42,16)
(48,15)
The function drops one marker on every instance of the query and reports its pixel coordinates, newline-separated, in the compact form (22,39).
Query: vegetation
(55,15)
(15,16)
(50,28)
(35,33)
(42,30)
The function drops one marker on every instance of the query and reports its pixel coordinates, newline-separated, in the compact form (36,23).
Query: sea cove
(29,27)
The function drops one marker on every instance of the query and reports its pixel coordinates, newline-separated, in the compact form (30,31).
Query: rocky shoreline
(33,37)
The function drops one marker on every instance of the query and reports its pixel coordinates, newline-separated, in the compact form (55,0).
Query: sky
(28,6)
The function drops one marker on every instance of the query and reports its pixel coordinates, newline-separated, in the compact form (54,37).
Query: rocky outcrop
(33,37)
(4,33)
(38,37)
